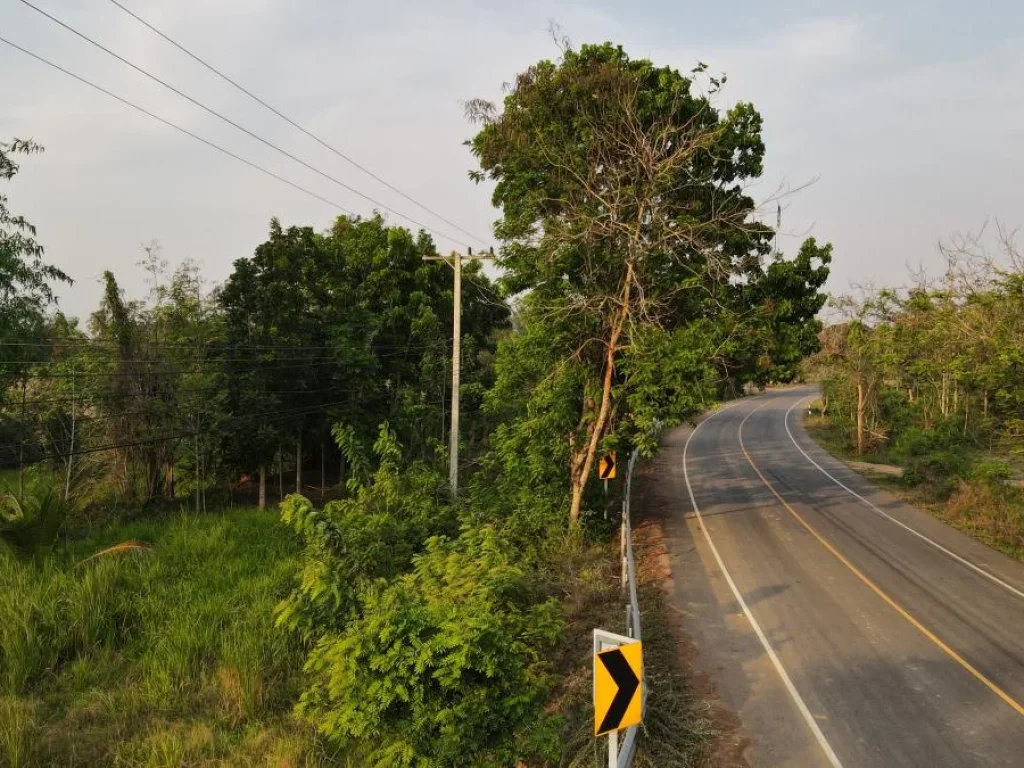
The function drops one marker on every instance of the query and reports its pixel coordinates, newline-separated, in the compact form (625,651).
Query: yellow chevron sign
(606,466)
(618,688)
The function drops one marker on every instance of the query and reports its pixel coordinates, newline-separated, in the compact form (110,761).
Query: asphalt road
(844,627)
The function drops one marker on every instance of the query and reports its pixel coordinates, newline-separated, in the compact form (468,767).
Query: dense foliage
(194,391)
(926,375)
(26,280)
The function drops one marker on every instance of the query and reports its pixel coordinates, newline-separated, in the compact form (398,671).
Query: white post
(613,749)
(453,438)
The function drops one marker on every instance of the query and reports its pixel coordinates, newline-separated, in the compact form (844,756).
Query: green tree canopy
(26,280)
(624,216)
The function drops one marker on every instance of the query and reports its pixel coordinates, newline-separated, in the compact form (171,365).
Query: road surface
(844,627)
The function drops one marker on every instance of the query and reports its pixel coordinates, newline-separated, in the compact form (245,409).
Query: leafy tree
(25,278)
(934,369)
(625,217)
(373,320)
(780,305)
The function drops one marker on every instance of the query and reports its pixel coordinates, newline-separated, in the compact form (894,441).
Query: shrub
(934,456)
(372,535)
(446,664)
(31,525)
(993,514)
(991,472)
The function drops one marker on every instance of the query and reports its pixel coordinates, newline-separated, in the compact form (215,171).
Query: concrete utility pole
(453,437)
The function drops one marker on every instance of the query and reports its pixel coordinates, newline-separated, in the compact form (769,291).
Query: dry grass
(993,514)
(677,730)
(125,547)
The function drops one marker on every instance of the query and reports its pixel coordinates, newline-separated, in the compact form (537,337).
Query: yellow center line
(870,584)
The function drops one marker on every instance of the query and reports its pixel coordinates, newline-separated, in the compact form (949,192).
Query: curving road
(844,627)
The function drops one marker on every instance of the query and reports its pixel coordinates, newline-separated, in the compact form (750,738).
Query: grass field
(159,656)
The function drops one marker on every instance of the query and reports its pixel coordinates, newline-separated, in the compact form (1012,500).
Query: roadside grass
(164,655)
(677,728)
(978,501)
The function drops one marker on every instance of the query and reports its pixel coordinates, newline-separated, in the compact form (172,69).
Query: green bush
(374,534)
(991,472)
(446,664)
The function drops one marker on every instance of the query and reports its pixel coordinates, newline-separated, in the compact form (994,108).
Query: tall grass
(165,656)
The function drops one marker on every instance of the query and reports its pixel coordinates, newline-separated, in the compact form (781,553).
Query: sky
(895,124)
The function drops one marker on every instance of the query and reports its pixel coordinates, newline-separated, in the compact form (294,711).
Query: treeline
(187,392)
(928,374)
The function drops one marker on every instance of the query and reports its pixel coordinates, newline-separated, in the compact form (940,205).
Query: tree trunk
(298,464)
(197,470)
(860,416)
(280,473)
(583,463)
(169,479)
(263,487)
(341,471)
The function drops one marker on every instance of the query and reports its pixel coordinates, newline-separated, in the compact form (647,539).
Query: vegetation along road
(845,627)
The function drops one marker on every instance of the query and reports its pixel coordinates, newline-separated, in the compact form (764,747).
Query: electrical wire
(280,416)
(294,124)
(239,127)
(166,345)
(269,416)
(177,127)
(183,366)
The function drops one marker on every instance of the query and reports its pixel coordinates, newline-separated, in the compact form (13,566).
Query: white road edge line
(794,694)
(887,516)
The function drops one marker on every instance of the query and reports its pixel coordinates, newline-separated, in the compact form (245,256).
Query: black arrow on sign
(608,468)
(628,682)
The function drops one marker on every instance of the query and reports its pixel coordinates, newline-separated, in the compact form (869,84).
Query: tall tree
(624,216)
(26,280)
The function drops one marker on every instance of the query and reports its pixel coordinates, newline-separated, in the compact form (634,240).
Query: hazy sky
(910,115)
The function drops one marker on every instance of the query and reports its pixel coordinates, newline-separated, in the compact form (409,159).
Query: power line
(171,372)
(183,366)
(294,124)
(268,416)
(99,343)
(182,410)
(177,127)
(281,416)
(235,125)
